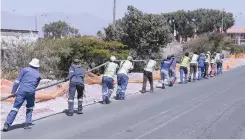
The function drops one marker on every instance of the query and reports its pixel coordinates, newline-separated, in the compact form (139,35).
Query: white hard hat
(113,58)
(130,58)
(35,63)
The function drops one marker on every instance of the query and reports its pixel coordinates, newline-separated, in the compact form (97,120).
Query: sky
(103,9)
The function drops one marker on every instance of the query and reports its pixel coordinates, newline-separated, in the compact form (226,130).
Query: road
(213,108)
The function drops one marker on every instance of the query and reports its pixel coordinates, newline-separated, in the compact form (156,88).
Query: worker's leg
(181,74)
(110,85)
(212,70)
(80,93)
(216,68)
(194,72)
(150,78)
(119,85)
(30,103)
(203,71)
(221,67)
(123,86)
(72,91)
(172,77)
(19,100)
(166,75)
(186,74)
(163,77)
(199,73)
(191,72)
(104,88)
(144,82)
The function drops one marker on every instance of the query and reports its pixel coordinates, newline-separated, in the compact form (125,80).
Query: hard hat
(76,60)
(35,63)
(113,58)
(202,54)
(208,52)
(130,58)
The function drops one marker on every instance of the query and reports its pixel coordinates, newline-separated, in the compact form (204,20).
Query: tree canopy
(200,20)
(146,33)
(143,33)
(59,29)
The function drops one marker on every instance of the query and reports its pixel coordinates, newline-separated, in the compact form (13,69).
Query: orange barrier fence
(42,95)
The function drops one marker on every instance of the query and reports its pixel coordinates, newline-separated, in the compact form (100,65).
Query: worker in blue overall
(122,77)
(201,66)
(76,77)
(165,66)
(172,73)
(108,79)
(24,90)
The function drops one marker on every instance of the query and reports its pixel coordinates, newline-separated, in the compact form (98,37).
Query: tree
(59,29)
(200,20)
(143,33)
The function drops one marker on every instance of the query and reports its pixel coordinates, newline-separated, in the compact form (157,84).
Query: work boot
(143,91)
(122,96)
(163,86)
(27,126)
(117,96)
(70,108)
(151,90)
(107,100)
(80,107)
(6,127)
(171,84)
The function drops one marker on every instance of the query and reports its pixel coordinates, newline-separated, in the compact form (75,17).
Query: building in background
(237,34)
(14,37)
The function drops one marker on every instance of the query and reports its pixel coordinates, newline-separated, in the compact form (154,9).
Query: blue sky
(103,8)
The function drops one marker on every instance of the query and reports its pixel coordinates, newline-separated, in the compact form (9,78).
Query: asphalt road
(213,108)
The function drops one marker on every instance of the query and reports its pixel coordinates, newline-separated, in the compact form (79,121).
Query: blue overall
(107,87)
(27,82)
(165,66)
(201,67)
(76,77)
(122,81)
(172,70)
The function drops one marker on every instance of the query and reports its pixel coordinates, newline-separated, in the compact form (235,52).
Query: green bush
(56,55)
(212,42)
(237,49)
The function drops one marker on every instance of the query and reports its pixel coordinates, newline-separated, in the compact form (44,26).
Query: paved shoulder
(205,109)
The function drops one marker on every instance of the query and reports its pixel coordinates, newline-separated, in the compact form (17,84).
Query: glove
(13,93)
(67,79)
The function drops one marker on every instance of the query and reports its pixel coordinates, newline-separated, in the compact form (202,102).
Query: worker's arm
(17,81)
(131,67)
(117,68)
(38,80)
(83,74)
(71,73)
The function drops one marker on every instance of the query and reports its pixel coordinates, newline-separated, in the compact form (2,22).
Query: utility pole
(68,27)
(222,20)
(114,12)
(35,22)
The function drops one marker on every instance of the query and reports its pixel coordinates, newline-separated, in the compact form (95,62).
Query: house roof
(236,29)
(20,31)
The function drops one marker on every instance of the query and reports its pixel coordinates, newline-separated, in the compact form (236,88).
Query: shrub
(56,55)
(212,42)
